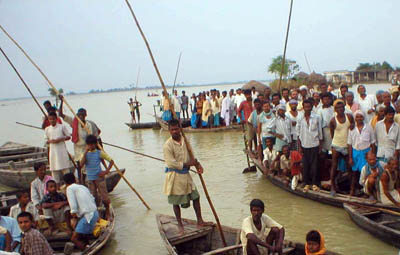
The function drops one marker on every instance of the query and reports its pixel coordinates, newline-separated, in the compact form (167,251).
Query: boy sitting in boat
(83,211)
(178,185)
(254,231)
(55,208)
(315,243)
(38,185)
(33,242)
(24,205)
(370,175)
(95,176)
(271,157)
(388,182)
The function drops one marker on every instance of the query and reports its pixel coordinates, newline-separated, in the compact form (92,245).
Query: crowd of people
(68,200)
(296,130)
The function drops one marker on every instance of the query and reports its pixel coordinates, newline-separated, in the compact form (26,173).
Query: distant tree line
(376,66)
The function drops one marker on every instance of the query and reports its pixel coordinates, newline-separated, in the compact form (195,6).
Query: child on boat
(33,242)
(260,234)
(24,205)
(285,162)
(38,185)
(315,243)
(95,176)
(387,185)
(295,168)
(271,156)
(370,174)
(56,134)
(55,207)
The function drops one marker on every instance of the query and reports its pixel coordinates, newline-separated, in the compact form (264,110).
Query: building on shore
(351,77)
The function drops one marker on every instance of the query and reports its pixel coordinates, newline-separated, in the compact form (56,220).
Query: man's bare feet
(181,230)
(201,224)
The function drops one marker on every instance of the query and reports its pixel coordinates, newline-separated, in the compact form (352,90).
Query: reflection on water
(222,157)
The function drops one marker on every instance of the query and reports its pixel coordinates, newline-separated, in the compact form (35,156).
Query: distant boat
(152,95)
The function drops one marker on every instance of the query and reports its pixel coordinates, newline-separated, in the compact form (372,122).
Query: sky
(94,44)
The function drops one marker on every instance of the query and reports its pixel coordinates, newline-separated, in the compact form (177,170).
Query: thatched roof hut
(260,87)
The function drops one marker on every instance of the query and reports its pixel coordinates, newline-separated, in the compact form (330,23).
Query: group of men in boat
(57,203)
(260,234)
(209,109)
(297,132)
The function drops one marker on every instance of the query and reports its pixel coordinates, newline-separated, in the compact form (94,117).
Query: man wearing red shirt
(246,107)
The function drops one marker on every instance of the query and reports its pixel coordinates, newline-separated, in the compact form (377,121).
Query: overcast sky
(94,44)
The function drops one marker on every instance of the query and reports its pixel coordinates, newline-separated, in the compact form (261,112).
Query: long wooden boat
(16,166)
(207,240)
(164,126)
(143,125)
(321,196)
(380,224)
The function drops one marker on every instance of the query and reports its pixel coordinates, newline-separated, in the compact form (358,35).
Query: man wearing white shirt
(225,109)
(309,129)
(387,134)
(176,101)
(83,209)
(254,93)
(366,103)
(239,98)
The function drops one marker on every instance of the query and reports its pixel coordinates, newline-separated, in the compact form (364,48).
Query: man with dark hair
(310,137)
(343,89)
(46,121)
(255,237)
(387,134)
(276,101)
(246,107)
(83,210)
(285,96)
(339,126)
(47,105)
(24,205)
(185,104)
(178,185)
(33,242)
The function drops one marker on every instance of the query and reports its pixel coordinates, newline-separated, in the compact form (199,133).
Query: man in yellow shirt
(178,185)
(254,235)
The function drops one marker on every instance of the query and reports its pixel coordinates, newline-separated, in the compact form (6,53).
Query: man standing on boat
(255,237)
(185,105)
(178,185)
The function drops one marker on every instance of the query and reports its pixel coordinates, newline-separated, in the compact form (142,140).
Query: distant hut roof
(316,78)
(301,75)
(260,87)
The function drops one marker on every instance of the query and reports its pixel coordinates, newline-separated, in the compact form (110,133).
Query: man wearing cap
(395,94)
(339,126)
(303,93)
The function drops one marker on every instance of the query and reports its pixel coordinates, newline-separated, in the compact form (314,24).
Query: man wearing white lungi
(225,109)
(178,185)
(56,134)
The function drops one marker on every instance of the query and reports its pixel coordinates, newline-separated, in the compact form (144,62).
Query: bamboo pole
(176,73)
(112,145)
(137,82)
(73,112)
(189,147)
(286,40)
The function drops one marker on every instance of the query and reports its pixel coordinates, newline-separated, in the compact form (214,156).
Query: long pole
(73,112)
(176,73)
(198,167)
(286,40)
(308,64)
(137,82)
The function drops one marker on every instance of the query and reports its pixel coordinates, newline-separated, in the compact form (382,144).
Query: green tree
(54,93)
(290,67)
(386,66)
(364,66)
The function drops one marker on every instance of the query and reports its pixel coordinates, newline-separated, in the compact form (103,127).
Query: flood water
(222,157)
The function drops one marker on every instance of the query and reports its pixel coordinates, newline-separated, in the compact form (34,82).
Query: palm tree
(54,93)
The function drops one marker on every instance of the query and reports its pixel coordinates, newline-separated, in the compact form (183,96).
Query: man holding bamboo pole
(178,185)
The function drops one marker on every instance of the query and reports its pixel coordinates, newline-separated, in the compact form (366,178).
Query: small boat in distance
(380,224)
(207,240)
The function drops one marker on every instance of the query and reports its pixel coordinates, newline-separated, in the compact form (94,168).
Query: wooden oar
(189,147)
(246,147)
(72,111)
(112,145)
(33,97)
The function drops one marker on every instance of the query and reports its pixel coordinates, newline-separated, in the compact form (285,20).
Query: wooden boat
(380,224)
(58,241)
(7,199)
(207,240)
(143,125)
(189,129)
(321,196)
(16,166)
